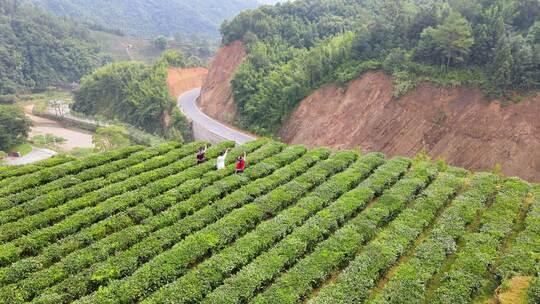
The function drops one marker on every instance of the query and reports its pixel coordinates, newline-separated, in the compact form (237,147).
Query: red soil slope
(181,80)
(216,96)
(459,125)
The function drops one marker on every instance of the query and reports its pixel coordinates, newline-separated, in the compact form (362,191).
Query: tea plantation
(149,225)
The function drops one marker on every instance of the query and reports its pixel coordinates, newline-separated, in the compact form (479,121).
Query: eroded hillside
(460,125)
(181,80)
(216,96)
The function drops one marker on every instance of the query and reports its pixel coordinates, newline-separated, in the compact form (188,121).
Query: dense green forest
(295,47)
(152,18)
(39,50)
(137,94)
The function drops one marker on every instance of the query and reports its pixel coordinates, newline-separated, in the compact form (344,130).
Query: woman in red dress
(241,164)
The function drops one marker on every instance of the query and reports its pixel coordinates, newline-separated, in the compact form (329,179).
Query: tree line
(293,48)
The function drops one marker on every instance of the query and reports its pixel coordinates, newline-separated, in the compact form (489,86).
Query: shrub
(8,99)
(533,294)
(14,126)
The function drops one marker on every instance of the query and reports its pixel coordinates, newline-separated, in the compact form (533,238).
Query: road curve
(188,105)
(37,154)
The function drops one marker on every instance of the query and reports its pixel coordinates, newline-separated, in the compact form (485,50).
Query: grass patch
(48,141)
(23,149)
(513,291)
(40,107)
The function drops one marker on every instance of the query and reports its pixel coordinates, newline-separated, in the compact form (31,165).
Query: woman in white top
(221,160)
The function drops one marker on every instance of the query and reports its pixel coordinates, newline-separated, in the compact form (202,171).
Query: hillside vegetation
(38,50)
(316,226)
(294,48)
(137,94)
(151,18)
(115,47)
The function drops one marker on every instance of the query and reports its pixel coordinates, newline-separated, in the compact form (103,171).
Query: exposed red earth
(460,125)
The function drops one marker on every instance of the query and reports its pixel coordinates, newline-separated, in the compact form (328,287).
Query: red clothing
(241,164)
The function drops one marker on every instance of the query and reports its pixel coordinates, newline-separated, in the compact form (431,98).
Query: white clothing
(221,161)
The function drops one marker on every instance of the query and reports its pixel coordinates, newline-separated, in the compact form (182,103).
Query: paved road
(188,105)
(37,154)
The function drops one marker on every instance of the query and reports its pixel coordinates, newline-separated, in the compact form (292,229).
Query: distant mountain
(153,17)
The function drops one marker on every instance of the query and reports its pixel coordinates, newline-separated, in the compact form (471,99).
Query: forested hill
(295,47)
(152,17)
(38,50)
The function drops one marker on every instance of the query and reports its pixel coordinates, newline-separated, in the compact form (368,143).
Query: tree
(524,68)
(533,39)
(534,33)
(14,126)
(501,70)
(453,37)
(173,58)
(133,93)
(59,107)
(486,36)
(526,13)
(515,65)
(161,42)
(111,137)
(397,59)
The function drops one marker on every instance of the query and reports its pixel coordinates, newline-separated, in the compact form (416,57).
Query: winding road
(188,104)
(37,154)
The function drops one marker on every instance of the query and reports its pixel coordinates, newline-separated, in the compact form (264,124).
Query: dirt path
(74,138)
